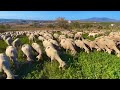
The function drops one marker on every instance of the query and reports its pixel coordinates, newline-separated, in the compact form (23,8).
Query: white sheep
(31,38)
(12,53)
(53,54)
(27,50)
(53,42)
(16,43)
(47,43)
(78,35)
(68,44)
(5,66)
(82,45)
(92,34)
(55,35)
(41,38)
(9,40)
(38,49)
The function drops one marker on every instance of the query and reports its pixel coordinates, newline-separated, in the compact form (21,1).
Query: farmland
(95,65)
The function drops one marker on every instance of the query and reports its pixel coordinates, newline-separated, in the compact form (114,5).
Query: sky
(52,15)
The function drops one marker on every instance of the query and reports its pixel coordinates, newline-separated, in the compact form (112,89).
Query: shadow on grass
(26,68)
(69,59)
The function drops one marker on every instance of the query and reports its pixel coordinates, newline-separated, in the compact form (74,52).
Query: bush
(62,23)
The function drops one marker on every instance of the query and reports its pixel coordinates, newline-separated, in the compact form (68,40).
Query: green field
(95,65)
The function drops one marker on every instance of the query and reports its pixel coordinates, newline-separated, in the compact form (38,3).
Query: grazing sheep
(5,37)
(93,45)
(5,66)
(92,34)
(61,37)
(27,50)
(31,38)
(16,43)
(47,43)
(48,36)
(9,41)
(78,35)
(55,35)
(12,53)
(111,45)
(105,43)
(53,54)
(81,44)
(70,35)
(41,38)
(53,42)
(38,49)
(68,45)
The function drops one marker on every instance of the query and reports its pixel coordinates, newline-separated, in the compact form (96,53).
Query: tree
(51,26)
(75,24)
(62,23)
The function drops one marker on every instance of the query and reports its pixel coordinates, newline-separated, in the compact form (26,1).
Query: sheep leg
(86,49)
(7,71)
(29,58)
(62,64)
(52,58)
(15,62)
(66,50)
(39,57)
(118,54)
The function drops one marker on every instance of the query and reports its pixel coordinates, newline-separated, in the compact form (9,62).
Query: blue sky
(51,15)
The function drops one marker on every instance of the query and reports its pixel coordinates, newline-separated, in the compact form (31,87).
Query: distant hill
(22,21)
(96,19)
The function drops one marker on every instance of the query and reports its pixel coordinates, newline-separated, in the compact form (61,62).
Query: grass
(95,65)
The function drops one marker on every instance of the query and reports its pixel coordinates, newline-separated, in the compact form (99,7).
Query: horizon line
(56,18)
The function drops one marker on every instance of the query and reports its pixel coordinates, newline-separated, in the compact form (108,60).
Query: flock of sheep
(53,42)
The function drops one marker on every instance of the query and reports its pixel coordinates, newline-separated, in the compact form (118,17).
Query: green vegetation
(95,65)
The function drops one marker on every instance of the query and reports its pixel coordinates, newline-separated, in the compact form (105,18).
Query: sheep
(78,36)
(5,37)
(5,66)
(92,34)
(31,38)
(53,42)
(41,38)
(70,35)
(55,35)
(27,50)
(61,37)
(53,54)
(111,45)
(9,40)
(105,43)
(16,43)
(48,36)
(47,43)
(68,44)
(12,53)
(93,45)
(101,43)
(81,44)
(38,49)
